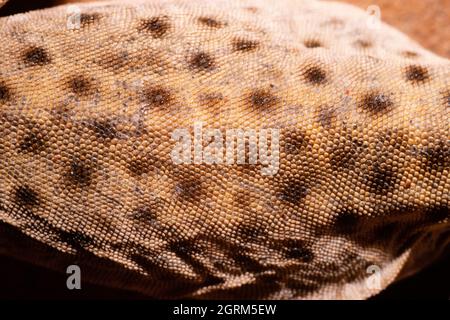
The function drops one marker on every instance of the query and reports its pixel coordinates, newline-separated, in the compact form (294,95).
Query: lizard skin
(86,123)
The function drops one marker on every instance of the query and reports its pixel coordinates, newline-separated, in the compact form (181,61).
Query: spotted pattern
(437,156)
(312,43)
(315,75)
(211,22)
(25,196)
(33,142)
(5,92)
(158,27)
(36,56)
(416,74)
(105,129)
(87,19)
(262,99)
(376,103)
(202,62)
(297,250)
(189,189)
(243,45)
(79,173)
(80,86)
(293,192)
(158,97)
(381,179)
(364,44)
(91,170)
(144,213)
(76,239)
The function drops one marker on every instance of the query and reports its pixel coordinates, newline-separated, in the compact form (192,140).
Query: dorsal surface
(90,101)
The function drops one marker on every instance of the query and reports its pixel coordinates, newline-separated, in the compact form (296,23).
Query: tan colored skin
(86,120)
(426,21)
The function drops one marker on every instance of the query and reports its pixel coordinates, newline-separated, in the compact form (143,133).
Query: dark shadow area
(23,281)
(20,6)
(431,283)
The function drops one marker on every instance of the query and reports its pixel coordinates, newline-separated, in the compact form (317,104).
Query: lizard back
(92,108)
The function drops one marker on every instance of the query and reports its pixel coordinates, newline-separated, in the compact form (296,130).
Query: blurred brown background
(426,21)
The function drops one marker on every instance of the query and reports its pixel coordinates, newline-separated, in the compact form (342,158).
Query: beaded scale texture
(86,122)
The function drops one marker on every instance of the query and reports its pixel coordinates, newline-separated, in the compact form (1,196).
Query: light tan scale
(86,122)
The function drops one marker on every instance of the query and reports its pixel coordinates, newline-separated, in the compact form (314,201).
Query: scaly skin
(86,123)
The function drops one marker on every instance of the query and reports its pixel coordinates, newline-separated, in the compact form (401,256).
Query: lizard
(87,116)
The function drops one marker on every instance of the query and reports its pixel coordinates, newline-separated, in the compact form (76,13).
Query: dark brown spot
(296,249)
(242,261)
(311,43)
(36,56)
(416,74)
(76,239)
(157,26)
(363,43)
(32,142)
(438,156)
(88,18)
(245,45)
(144,214)
(25,196)
(202,62)
(250,232)
(189,189)
(183,248)
(5,92)
(80,85)
(263,99)
(341,157)
(210,22)
(104,129)
(80,173)
(315,75)
(293,192)
(326,115)
(158,97)
(381,179)
(376,103)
